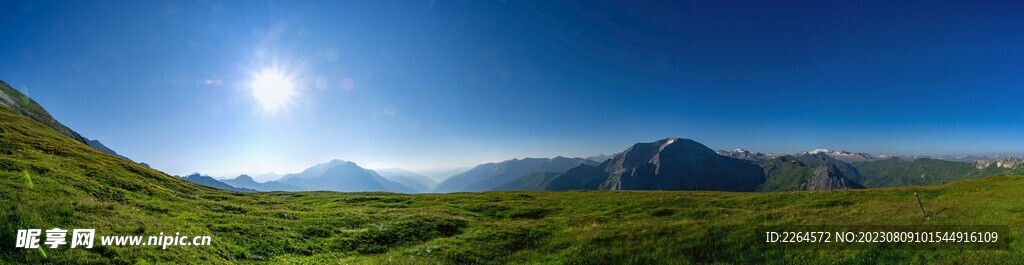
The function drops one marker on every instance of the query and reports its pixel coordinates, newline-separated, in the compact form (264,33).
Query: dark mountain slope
(492,175)
(668,164)
(103,148)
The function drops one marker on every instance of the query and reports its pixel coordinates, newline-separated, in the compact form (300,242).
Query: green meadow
(48,180)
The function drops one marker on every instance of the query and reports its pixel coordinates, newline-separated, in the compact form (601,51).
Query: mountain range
(746,155)
(683,164)
(841,155)
(668,164)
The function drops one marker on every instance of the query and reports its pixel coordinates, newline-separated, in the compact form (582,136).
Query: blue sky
(432,85)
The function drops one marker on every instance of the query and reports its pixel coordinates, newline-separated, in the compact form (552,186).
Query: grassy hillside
(897,172)
(532,181)
(49,180)
(21,103)
(786,173)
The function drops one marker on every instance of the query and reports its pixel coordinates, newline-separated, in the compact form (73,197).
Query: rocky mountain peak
(828,177)
(667,164)
(1007,162)
(982,163)
(649,153)
(664,143)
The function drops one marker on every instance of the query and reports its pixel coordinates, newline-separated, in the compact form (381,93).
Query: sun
(272,90)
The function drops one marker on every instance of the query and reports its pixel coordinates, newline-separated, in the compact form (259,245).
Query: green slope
(787,173)
(48,180)
(532,181)
(897,172)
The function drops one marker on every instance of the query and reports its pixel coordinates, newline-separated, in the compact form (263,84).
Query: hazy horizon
(231,87)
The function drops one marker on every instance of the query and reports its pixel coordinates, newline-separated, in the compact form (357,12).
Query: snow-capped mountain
(746,155)
(961,158)
(841,155)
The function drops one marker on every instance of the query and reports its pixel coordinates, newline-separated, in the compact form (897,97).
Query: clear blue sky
(427,85)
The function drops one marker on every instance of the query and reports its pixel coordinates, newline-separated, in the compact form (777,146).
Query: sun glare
(272,90)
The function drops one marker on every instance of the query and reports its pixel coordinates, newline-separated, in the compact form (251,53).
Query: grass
(78,187)
(28,179)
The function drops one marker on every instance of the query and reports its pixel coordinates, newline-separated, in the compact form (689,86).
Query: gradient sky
(432,85)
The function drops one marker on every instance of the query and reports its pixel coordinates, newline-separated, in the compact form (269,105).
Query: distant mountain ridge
(335,175)
(269,176)
(213,183)
(247,182)
(489,176)
(841,155)
(746,155)
(599,158)
(416,181)
(343,176)
(99,146)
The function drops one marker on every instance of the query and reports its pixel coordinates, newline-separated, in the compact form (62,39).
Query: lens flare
(273,90)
